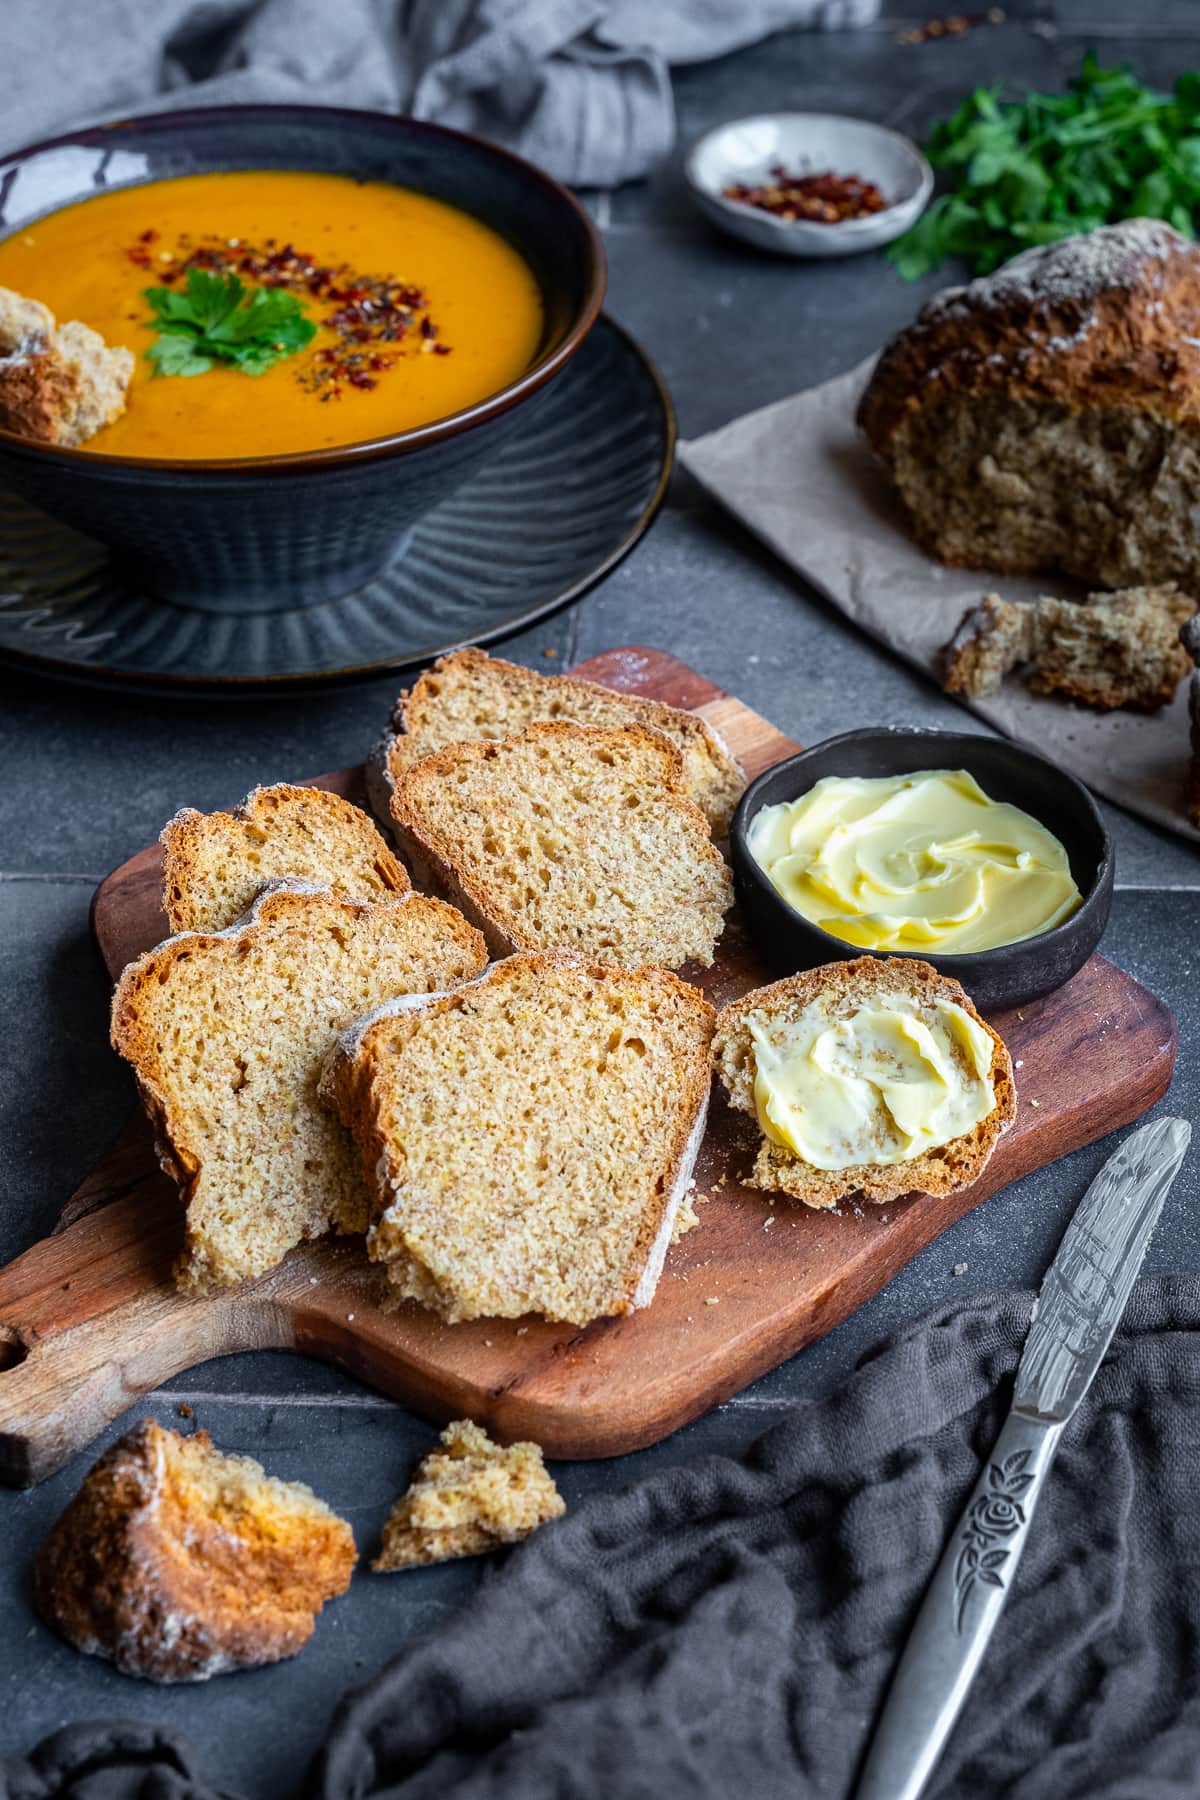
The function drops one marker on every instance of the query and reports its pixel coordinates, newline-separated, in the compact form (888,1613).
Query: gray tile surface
(89,778)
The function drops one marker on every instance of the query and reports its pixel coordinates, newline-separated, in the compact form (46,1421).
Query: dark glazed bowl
(995,979)
(268,532)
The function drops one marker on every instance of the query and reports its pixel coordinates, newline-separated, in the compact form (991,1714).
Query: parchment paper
(800,476)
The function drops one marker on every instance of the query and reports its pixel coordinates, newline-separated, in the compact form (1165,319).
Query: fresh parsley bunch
(1035,170)
(218,319)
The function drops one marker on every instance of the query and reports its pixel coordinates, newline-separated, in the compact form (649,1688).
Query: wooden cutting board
(89,1319)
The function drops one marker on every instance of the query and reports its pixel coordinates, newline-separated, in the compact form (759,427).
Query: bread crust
(432,857)
(140,1570)
(943,1171)
(713,777)
(1124,330)
(185,838)
(357,1077)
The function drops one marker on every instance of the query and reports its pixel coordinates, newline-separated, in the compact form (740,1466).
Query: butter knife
(1074,1318)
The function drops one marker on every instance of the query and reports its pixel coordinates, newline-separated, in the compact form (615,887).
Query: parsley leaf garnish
(1045,167)
(218,319)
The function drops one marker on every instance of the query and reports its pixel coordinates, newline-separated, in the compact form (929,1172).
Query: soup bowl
(1007,976)
(257,534)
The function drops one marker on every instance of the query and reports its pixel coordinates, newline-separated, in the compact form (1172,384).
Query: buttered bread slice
(215,864)
(470,695)
(570,838)
(227,1033)
(530,1137)
(875,1077)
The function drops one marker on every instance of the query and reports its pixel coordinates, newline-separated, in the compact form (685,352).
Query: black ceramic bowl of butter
(1006,975)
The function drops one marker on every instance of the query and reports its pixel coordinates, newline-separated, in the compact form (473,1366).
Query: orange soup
(420,309)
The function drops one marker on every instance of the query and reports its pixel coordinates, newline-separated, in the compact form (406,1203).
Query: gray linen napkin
(726,1629)
(580,86)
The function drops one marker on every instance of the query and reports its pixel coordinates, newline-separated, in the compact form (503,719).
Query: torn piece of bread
(530,1136)
(227,1034)
(216,864)
(1108,651)
(829,1017)
(59,384)
(568,837)
(470,696)
(176,1562)
(993,639)
(1047,416)
(1115,650)
(466,1498)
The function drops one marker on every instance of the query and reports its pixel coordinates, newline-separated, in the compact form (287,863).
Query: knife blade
(1075,1315)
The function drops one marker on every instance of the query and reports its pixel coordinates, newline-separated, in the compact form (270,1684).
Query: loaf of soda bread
(1047,416)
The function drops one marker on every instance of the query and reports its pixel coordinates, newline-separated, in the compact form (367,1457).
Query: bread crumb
(521,1330)
(184,1410)
(469,1495)
(960,1268)
(712,1300)
(1020,1063)
(1035,1103)
(767,1223)
(550,651)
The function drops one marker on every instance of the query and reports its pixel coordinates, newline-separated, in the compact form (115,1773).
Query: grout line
(1157,887)
(52,876)
(208,1397)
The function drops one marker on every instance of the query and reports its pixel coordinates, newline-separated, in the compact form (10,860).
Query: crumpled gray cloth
(580,86)
(726,1629)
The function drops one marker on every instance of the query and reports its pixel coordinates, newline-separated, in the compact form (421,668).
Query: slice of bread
(530,1136)
(176,1562)
(466,1498)
(841,989)
(227,1033)
(568,837)
(470,695)
(215,864)
(58,383)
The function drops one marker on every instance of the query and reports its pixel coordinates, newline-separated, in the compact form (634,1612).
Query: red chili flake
(954,26)
(824,199)
(148,237)
(368,313)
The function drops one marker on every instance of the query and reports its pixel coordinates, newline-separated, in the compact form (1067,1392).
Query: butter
(915,863)
(883,1083)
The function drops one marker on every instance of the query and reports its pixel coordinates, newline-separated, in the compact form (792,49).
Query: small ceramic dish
(746,150)
(998,979)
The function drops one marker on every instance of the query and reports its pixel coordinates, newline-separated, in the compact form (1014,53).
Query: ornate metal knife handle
(958,1613)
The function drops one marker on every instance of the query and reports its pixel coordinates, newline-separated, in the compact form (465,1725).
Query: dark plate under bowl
(272,532)
(1007,976)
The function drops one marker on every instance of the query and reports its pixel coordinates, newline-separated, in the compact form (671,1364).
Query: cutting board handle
(89,1320)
